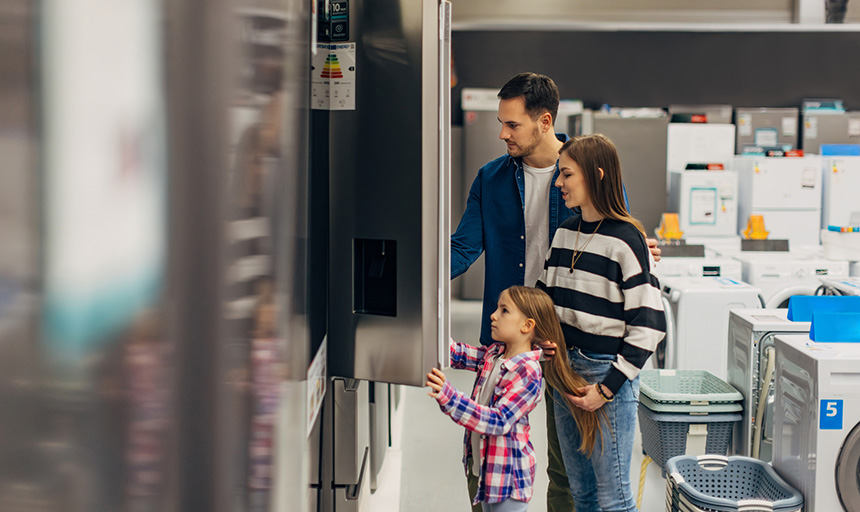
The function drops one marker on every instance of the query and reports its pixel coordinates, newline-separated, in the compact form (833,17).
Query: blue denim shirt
(492,224)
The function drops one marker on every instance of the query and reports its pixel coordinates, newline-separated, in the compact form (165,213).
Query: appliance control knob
(694,271)
(801,272)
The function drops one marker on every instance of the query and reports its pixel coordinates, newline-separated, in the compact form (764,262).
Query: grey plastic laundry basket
(695,388)
(696,408)
(714,483)
(665,435)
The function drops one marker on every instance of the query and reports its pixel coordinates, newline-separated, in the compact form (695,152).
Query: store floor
(431,445)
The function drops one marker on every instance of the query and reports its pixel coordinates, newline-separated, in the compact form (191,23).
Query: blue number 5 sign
(830,415)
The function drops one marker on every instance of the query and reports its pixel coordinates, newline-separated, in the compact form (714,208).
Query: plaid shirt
(508,467)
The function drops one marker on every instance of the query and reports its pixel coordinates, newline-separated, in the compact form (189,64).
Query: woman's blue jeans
(600,483)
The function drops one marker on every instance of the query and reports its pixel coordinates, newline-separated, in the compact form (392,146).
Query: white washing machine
(751,363)
(780,275)
(817,422)
(841,286)
(688,266)
(697,320)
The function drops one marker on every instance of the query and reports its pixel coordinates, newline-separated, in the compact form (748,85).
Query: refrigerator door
(389,164)
(799,227)
(841,183)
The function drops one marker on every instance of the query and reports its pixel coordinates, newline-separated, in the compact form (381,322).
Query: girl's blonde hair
(537,305)
(592,153)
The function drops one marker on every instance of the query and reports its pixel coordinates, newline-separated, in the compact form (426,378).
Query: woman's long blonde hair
(537,305)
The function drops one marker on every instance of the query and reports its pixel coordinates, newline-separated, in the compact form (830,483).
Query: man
(512,213)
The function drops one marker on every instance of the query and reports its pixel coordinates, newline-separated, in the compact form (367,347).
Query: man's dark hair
(538,91)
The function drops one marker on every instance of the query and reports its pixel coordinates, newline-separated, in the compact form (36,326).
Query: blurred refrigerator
(786,191)
(641,143)
(829,128)
(766,128)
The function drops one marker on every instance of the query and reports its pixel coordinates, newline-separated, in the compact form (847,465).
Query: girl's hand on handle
(590,399)
(435,379)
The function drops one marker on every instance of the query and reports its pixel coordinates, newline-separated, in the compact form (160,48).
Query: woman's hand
(548,348)
(590,399)
(435,379)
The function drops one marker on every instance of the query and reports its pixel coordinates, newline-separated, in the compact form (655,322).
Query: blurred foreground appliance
(641,143)
(697,318)
(817,424)
(706,202)
(786,191)
(766,128)
(751,361)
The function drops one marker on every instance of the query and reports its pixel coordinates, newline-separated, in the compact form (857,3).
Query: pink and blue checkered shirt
(508,467)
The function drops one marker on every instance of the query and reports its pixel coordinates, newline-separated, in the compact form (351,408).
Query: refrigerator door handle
(353,492)
(444,203)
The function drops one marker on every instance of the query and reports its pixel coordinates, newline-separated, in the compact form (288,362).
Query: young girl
(598,274)
(499,457)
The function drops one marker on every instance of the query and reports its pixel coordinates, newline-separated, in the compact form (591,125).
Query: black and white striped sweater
(610,303)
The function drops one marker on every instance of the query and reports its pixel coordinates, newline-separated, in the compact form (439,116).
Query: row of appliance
(801,402)
(796,197)
(719,324)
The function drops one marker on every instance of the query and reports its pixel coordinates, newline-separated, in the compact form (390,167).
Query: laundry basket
(671,402)
(694,391)
(665,435)
(712,483)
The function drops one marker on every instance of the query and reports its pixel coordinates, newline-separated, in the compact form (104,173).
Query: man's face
(521,133)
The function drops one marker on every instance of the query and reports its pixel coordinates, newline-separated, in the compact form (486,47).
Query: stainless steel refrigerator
(381,134)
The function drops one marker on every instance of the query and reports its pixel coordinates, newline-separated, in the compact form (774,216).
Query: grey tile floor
(433,478)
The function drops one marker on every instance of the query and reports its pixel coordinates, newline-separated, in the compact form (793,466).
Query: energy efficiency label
(333,77)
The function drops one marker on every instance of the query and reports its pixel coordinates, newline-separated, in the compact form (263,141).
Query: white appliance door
(841,183)
(787,183)
(799,227)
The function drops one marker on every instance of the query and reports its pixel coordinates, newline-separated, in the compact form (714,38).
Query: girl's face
(507,320)
(571,181)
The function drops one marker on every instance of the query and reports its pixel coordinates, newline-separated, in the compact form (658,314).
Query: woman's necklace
(577,253)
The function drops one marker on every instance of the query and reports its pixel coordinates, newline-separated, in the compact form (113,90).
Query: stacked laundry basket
(675,403)
(713,483)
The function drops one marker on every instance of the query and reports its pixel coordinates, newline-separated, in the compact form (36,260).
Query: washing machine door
(848,472)
(780,298)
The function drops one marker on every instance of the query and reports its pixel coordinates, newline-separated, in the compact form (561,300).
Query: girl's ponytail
(536,304)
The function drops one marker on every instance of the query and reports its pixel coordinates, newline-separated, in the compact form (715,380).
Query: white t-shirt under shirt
(485,395)
(537,188)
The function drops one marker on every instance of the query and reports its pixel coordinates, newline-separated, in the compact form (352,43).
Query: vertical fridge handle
(444,182)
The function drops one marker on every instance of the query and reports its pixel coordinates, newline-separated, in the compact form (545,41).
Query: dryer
(689,266)
(750,370)
(841,286)
(817,425)
(697,318)
(780,275)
